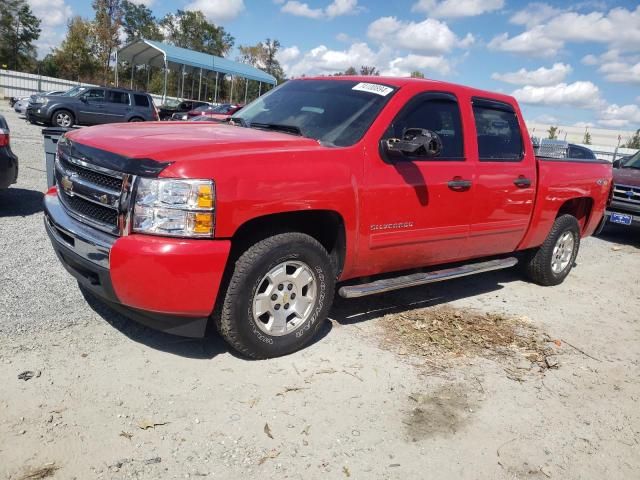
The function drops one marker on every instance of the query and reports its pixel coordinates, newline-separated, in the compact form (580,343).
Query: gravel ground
(111,399)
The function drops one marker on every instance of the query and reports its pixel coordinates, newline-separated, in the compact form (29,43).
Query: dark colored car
(624,208)
(8,160)
(92,106)
(170,108)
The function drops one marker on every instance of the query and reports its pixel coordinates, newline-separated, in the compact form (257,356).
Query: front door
(416,210)
(91,108)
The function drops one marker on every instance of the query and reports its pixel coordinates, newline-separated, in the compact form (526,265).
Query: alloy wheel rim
(63,120)
(562,253)
(285,298)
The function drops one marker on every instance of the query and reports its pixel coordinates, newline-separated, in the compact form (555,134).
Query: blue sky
(567,62)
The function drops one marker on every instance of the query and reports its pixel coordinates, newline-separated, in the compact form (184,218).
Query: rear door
(417,210)
(505,180)
(118,106)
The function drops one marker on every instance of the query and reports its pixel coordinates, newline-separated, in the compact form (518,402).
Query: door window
(436,112)
(141,100)
(121,98)
(499,138)
(95,95)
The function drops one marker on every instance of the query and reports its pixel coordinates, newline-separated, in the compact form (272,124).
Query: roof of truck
(400,82)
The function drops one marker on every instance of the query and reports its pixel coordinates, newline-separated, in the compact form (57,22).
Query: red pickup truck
(373,183)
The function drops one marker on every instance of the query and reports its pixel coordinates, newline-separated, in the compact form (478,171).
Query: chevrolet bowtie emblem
(66,184)
(104,199)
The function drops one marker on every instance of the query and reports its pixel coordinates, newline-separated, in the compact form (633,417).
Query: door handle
(522,182)
(458,185)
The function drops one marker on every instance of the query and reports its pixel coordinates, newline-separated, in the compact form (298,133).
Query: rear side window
(582,153)
(141,100)
(499,137)
(436,112)
(118,97)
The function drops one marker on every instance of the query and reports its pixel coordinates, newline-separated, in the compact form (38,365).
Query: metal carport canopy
(158,54)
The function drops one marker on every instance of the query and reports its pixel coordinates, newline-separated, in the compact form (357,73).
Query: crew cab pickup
(372,183)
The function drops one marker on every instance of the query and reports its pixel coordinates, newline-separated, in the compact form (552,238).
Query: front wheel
(553,260)
(279,294)
(62,118)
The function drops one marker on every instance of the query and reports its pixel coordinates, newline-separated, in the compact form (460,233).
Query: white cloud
(620,116)
(54,14)
(584,124)
(589,60)
(544,118)
(148,3)
(548,29)
(337,8)
(403,66)
(535,14)
(427,37)
(533,42)
(622,72)
(321,60)
(456,8)
(540,77)
(301,10)
(218,11)
(578,94)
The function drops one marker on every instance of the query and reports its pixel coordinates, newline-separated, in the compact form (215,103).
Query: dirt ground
(487,377)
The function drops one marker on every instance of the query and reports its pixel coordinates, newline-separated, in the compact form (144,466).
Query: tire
(136,119)
(271,277)
(62,118)
(550,263)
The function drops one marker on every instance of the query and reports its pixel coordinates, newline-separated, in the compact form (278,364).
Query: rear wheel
(553,260)
(279,294)
(62,118)
(136,119)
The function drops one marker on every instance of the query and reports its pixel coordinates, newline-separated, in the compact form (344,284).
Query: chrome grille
(94,195)
(626,194)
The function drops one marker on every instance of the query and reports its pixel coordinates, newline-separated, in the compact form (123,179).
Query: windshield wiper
(278,127)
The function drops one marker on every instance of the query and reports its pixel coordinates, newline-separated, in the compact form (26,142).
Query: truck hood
(626,176)
(172,141)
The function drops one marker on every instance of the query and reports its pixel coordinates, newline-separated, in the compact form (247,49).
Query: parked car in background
(20,106)
(8,160)
(218,113)
(171,107)
(92,106)
(321,180)
(624,208)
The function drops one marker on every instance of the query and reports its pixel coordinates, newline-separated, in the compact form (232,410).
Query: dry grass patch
(444,332)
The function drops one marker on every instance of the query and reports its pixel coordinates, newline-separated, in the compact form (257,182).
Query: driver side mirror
(83,99)
(415,142)
(616,164)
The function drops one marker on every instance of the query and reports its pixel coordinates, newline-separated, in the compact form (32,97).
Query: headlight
(174,207)
(40,100)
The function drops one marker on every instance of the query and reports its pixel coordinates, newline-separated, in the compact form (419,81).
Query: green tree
(190,29)
(19,28)
(587,138)
(263,56)
(553,133)
(634,141)
(138,22)
(366,70)
(350,71)
(106,26)
(417,74)
(75,58)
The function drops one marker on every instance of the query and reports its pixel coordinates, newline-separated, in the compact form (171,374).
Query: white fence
(18,84)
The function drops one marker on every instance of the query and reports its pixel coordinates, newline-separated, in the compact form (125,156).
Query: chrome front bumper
(88,243)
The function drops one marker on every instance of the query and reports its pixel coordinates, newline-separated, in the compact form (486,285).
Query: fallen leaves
(41,472)
(270,455)
(147,424)
(126,435)
(267,431)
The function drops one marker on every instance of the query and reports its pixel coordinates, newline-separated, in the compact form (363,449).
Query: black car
(8,161)
(168,109)
(92,106)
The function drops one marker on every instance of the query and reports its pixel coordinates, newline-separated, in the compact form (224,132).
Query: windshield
(633,162)
(335,112)
(74,91)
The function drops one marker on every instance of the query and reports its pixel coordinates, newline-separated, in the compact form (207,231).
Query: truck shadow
(352,311)
(205,348)
(19,202)
(621,235)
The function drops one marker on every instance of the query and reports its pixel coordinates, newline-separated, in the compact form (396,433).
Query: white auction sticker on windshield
(373,88)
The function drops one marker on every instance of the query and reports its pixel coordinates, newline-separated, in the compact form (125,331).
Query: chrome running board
(415,279)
